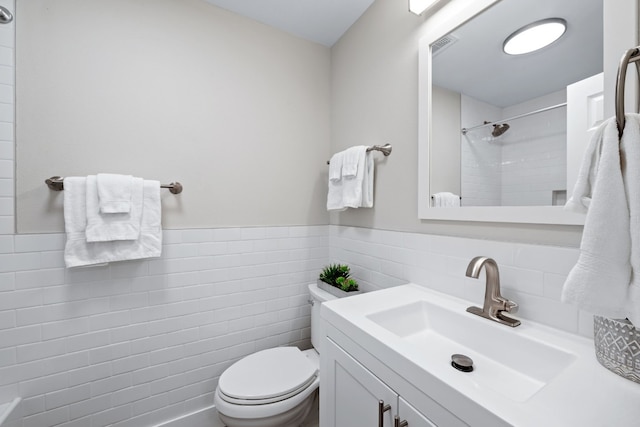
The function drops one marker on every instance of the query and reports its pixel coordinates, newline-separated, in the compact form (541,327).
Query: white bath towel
(114,192)
(630,152)
(446,199)
(599,282)
(335,166)
(106,227)
(351,160)
(78,252)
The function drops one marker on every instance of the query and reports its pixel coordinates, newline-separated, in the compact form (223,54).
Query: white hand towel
(335,166)
(599,281)
(630,153)
(79,252)
(585,182)
(367,181)
(351,160)
(114,192)
(335,202)
(446,199)
(352,186)
(105,227)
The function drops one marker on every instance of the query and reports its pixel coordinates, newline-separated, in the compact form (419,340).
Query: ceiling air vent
(443,43)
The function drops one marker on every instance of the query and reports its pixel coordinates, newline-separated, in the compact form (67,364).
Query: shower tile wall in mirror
(499,122)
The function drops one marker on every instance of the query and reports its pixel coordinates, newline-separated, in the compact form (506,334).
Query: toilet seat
(267,376)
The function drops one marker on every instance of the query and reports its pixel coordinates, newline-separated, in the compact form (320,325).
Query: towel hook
(631,55)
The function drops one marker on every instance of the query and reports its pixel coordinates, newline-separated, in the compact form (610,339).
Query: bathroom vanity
(387,362)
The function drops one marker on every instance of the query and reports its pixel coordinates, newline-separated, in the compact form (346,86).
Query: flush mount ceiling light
(419,6)
(534,36)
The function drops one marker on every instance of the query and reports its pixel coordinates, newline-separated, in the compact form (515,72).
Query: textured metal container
(617,345)
(335,291)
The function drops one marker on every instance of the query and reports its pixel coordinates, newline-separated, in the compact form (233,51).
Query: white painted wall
(236,111)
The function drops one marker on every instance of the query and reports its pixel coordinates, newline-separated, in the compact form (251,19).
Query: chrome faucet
(494,303)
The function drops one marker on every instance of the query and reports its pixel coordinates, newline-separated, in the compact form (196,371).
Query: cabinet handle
(398,423)
(382,408)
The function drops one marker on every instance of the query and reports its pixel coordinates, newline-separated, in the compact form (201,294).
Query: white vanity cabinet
(352,396)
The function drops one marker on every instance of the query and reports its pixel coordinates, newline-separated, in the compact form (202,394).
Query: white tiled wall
(137,343)
(531,275)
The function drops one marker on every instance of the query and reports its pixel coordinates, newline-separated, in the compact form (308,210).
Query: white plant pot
(335,291)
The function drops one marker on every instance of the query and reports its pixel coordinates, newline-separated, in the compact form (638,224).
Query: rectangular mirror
(502,134)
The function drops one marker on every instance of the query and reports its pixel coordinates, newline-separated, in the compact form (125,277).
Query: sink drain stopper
(461,362)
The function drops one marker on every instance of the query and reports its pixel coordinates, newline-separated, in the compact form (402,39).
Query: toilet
(274,387)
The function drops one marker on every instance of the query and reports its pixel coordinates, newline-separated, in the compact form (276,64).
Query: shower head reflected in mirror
(5,15)
(499,129)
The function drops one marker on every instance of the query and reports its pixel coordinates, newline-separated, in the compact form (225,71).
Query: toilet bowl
(274,387)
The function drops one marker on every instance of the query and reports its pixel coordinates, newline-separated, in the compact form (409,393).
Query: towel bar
(56,183)
(384,149)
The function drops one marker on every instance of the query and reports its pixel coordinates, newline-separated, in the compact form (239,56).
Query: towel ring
(631,55)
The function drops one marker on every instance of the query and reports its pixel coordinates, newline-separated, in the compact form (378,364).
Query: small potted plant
(336,279)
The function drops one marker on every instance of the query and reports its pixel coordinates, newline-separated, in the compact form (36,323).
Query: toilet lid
(268,374)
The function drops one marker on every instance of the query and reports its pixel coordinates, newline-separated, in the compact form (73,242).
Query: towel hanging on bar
(384,149)
(56,183)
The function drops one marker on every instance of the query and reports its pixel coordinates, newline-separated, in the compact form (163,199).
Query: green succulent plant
(338,275)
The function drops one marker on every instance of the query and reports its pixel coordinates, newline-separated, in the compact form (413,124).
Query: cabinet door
(409,414)
(350,394)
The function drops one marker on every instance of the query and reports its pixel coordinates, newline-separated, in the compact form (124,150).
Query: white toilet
(274,387)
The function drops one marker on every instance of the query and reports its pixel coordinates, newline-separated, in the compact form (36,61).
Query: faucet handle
(510,307)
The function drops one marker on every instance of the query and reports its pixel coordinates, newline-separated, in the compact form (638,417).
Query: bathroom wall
(140,343)
(237,111)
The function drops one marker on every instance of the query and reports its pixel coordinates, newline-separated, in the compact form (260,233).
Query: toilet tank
(318,296)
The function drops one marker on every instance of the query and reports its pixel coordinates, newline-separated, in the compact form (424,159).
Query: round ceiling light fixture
(534,36)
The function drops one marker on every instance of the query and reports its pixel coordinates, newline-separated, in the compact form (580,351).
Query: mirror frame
(508,214)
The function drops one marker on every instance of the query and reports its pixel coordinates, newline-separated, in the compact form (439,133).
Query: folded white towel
(114,192)
(352,186)
(446,199)
(78,252)
(351,160)
(599,281)
(105,227)
(335,166)
(335,202)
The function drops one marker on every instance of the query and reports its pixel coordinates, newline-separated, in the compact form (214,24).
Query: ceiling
(476,65)
(320,21)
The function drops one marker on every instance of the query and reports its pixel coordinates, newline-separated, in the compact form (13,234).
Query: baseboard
(207,417)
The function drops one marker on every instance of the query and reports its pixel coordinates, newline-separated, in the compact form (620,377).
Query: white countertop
(582,394)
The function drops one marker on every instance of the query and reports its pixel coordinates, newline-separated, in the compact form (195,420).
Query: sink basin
(506,361)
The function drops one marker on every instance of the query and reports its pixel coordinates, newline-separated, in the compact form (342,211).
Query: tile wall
(531,275)
(137,343)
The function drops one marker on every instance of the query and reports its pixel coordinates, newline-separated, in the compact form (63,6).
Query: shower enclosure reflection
(499,122)
(525,166)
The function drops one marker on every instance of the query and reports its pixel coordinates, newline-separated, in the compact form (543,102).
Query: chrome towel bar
(384,149)
(56,183)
